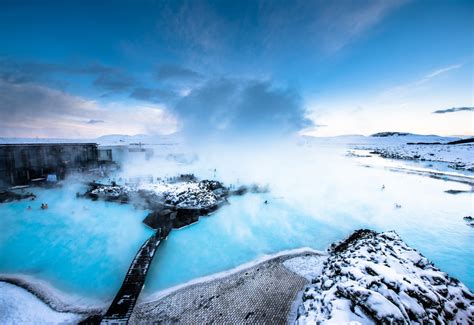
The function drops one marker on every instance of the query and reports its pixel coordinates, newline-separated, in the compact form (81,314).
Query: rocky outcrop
(456,156)
(377,278)
(174,204)
(8,196)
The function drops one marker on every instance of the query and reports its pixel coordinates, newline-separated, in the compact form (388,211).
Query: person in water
(44,206)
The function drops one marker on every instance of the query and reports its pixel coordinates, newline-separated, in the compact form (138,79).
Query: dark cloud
(454,110)
(243,108)
(13,71)
(153,95)
(174,72)
(113,80)
(95,121)
(104,77)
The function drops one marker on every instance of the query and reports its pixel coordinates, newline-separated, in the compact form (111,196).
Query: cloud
(113,80)
(403,90)
(153,95)
(174,72)
(454,110)
(240,108)
(436,73)
(95,121)
(321,25)
(32,110)
(104,77)
(343,22)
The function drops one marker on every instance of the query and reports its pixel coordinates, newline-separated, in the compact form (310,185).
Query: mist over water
(316,196)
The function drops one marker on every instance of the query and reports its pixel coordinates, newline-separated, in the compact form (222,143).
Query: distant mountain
(391,138)
(390,134)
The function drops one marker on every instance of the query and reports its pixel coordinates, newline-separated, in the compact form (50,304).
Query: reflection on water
(317,196)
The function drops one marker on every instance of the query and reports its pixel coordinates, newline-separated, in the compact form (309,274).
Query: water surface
(317,196)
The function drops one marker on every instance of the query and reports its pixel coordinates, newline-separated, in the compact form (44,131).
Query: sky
(236,69)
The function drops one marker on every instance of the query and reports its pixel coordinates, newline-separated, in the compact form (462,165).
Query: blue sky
(235,68)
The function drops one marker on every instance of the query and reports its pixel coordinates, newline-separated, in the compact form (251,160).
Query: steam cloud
(244,108)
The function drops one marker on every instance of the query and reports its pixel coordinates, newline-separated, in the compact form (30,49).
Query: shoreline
(53,297)
(62,302)
(220,275)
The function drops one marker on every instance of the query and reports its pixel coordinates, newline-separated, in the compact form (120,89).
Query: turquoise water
(79,246)
(85,247)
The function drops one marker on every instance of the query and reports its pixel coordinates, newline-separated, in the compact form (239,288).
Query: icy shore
(18,306)
(371,278)
(457,152)
(457,156)
(367,278)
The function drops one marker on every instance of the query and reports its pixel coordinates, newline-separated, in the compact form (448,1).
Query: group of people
(44,206)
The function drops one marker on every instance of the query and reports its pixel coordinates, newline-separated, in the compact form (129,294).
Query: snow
(373,277)
(458,156)
(203,194)
(183,194)
(18,306)
(308,267)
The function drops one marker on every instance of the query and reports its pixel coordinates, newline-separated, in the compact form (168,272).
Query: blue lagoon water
(84,247)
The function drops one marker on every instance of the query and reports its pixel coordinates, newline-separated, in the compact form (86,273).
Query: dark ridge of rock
(469,220)
(454,192)
(462,141)
(355,236)
(389,134)
(8,196)
(423,143)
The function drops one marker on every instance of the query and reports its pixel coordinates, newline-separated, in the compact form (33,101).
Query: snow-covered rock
(201,194)
(377,278)
(183,194)
(460,156)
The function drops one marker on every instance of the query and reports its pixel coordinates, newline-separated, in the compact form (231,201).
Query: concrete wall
(20,163)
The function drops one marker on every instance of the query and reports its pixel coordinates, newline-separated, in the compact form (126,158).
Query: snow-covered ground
(371,278)
(460,156)
(308,267)
(18,306)
(395,145)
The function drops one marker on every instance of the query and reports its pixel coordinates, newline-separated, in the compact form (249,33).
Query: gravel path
(262,293)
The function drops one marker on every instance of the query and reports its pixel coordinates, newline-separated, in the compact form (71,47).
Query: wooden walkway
(122,306)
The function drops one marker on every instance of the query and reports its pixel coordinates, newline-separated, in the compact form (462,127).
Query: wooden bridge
(122,306)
